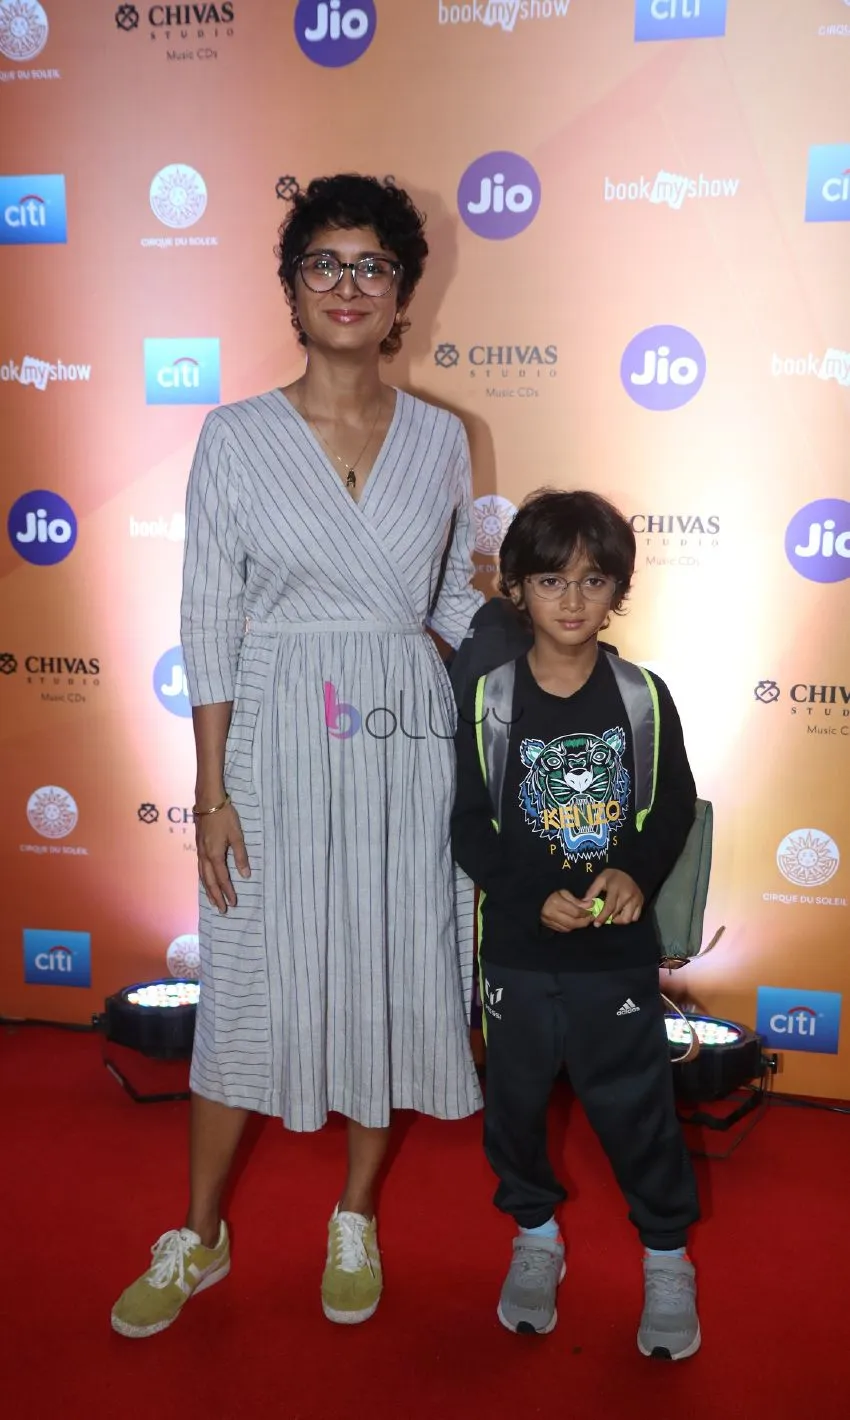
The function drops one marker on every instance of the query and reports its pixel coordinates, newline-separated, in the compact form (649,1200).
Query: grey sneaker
(669,1327)
(527,1303)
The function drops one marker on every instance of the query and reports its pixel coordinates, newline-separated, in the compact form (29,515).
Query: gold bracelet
(202,813)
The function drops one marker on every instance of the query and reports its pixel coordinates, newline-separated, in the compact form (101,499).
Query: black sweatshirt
(580,745)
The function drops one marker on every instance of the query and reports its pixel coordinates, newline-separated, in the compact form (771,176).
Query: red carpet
(89,1179)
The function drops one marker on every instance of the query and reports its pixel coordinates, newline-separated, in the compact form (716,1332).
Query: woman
(319,518)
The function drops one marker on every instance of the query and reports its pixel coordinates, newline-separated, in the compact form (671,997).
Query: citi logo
(33,210)
(56,958)
(335,33)
(679,19)
(799,1020)
(828,184)
(182,371)
(663,367)
(817,540)
(499,195)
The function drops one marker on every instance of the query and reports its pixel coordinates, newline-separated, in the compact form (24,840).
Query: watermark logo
(499,195)
(493,516)
(38,374)
(52,812)
(32,210)
(503,14)
(834,365)
(799,1020)
(828,185)
(817,541)
(808,857)
(23,29)
(183,957)
(170,683)
(178,196)
(182,372)
(56,958)
(334,33)
(42,527)
(679,19)
(663,367)
(342,720)
(670,189)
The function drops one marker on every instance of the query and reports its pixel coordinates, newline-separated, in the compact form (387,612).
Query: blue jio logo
(42,527)
(817,540)
(57,958)
(170,684)
(499,195)
(799,1020)
(32,210)
(828,186)
(679,19)
(663,367)
(182,372)
(334,33)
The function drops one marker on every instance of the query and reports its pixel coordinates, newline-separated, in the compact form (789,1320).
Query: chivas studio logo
(676,539)
(169,24)
(824,708)
(176,820)
(65,679)
(501,370)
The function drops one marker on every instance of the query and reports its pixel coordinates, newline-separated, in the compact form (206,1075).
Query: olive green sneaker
(181,1267)
(352,1282)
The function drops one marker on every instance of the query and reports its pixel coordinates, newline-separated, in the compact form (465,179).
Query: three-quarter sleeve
(458,600)
(212,618)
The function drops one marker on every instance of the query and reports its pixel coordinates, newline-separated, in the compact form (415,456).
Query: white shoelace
(169,1258)
(351,1254)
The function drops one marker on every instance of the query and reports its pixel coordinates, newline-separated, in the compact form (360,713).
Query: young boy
(569,956)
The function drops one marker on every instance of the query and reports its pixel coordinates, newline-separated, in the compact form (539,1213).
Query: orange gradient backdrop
(108,102)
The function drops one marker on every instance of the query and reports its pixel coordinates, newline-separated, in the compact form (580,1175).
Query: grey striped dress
(335,984)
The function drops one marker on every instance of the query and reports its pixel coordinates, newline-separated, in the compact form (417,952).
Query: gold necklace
(350,475)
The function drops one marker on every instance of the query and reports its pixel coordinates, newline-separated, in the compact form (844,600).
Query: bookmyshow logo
(671,190)
(823,708)
(501,14)
(675,539)
(834,364)
(38,374)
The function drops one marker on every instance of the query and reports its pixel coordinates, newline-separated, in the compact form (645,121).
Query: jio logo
(499,195)
(169,682)
(335,32)
(663,367)
(817,542)
(42,527)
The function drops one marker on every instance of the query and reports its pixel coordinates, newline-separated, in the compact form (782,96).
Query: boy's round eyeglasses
(372,275)
(593,588)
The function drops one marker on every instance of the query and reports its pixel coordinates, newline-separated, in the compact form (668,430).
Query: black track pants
(619,1066)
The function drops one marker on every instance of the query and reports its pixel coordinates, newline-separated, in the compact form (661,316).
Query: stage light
(157,1018)
(729,1058)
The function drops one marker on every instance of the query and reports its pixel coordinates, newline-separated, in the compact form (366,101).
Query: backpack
(678,907)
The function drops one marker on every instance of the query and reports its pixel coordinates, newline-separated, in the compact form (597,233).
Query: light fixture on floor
(154,1018)
(730,1061)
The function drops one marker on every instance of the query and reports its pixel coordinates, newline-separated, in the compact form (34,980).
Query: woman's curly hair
(345,201)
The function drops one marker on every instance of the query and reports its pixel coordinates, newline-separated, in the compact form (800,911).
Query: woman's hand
(623,898)
(564,913)
(215,834)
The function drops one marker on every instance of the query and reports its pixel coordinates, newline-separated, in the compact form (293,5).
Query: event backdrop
(639,215)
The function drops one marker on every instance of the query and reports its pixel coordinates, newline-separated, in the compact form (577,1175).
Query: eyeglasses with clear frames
(550,587)
(372,275)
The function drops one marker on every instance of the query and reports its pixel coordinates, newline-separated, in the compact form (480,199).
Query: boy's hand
(623,898)
(564,913)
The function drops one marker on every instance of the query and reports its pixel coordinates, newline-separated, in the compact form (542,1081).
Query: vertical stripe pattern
(336,983)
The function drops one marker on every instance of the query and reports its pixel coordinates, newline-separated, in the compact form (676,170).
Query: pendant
(351,481)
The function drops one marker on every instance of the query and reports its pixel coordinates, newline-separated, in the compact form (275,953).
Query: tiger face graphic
(576,792)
